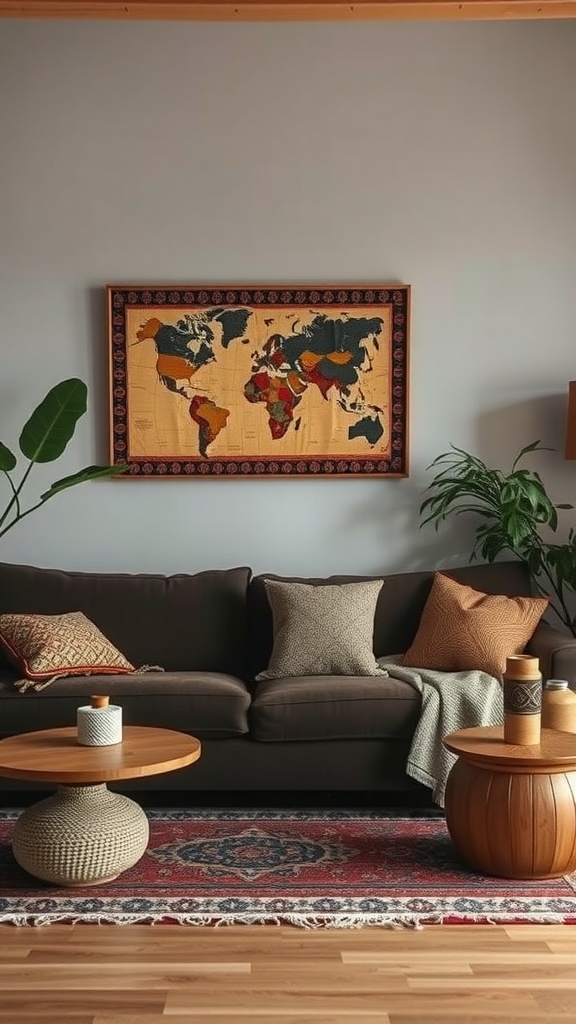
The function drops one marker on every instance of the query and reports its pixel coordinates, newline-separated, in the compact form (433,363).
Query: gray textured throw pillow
(322,630)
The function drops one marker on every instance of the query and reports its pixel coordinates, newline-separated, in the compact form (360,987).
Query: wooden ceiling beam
(296,10)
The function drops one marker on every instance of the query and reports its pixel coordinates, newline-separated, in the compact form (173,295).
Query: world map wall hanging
(259,381)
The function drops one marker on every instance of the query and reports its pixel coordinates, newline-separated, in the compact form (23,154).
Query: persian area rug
(313,868)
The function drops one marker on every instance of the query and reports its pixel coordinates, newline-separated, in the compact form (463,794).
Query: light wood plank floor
(91,974)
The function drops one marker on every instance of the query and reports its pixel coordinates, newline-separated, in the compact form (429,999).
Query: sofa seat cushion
(333,707)
(201,703)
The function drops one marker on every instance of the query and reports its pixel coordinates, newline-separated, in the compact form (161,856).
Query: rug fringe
(299,920)
(212,921)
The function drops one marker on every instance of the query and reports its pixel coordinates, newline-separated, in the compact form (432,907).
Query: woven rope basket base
(82,835)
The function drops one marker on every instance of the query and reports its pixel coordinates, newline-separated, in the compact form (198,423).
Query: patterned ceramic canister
(522,684)
(99,724)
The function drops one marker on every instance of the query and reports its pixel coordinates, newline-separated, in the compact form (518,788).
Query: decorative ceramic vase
(522,685)
(99,724)
(559,706)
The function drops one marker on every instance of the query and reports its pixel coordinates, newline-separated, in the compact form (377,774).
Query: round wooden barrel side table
(511,810)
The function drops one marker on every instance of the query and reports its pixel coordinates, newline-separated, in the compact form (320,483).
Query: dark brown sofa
(211,632)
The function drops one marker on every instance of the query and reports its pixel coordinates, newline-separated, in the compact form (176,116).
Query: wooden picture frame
(259,380)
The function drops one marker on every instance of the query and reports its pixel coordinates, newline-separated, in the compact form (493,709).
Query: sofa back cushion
(182,622)
(400,603)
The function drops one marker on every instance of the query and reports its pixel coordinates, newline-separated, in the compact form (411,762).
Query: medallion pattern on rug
(253,853)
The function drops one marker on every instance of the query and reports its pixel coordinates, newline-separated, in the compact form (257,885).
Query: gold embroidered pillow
(462,628)
(43,646)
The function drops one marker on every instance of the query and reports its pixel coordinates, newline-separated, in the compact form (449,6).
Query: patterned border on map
(194,297)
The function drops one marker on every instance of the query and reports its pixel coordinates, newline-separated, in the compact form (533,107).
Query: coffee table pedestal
(511,810)
(81,835)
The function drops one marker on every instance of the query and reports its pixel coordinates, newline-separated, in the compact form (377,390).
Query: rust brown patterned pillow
(43,646)
(462,628)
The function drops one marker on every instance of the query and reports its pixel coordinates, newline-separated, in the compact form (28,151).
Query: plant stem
(15,500)
(558,590)
(19,516)
(15,497)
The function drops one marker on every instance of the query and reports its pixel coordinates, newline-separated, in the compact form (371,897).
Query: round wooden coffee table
(85,834)
(511,810)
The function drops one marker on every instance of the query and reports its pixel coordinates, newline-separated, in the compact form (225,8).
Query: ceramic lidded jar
(522,685)
(559,706)
(99,723)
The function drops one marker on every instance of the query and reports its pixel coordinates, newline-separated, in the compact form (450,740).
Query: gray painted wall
(441,155)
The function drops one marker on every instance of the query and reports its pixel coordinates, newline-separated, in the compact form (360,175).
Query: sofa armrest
(556,651)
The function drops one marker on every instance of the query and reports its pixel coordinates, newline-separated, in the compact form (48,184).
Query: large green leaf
(52,424)
(7,459)
(89,473)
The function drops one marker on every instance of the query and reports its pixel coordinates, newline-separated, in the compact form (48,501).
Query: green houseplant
(43,439)
(513,508)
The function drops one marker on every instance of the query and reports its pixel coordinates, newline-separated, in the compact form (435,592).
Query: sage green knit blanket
(450,701)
